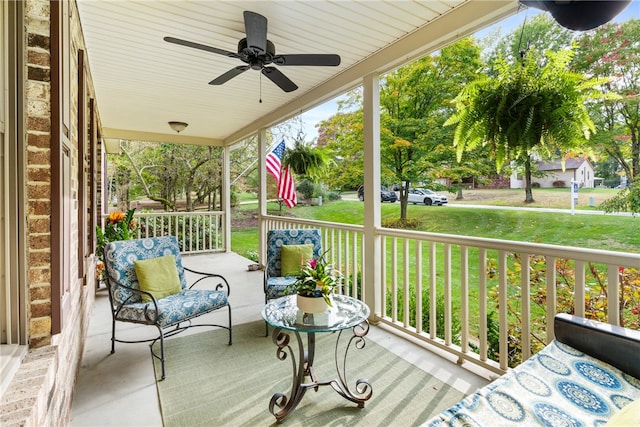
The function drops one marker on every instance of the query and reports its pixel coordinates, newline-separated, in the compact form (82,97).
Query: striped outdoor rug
(210,383)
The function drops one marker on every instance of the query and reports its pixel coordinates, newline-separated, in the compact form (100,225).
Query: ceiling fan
(258,52)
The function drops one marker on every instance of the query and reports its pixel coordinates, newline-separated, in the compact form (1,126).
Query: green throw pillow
(159,276)
(293,258)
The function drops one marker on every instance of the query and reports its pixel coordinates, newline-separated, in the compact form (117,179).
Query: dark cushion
(617,346)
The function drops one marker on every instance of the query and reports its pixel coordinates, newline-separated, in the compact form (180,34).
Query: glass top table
(289,322)
(345,312)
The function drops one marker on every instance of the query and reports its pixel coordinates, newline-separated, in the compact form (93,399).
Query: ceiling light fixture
(178,126)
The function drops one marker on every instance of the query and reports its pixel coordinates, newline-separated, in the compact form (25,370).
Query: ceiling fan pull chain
(260,88)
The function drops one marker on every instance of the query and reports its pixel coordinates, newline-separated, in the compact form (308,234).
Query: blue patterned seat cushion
(175,308)
(119,258)
(275,285)
(278,286)
(559,386)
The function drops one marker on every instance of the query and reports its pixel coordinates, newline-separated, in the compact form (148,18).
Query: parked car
(428,197)
(386,195)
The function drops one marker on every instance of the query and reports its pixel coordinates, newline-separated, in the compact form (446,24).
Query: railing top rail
(337,225)
(145,214)
(623,259)
(150,214)
(626,259)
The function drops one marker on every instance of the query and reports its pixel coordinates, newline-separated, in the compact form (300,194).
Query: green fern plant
(533,106)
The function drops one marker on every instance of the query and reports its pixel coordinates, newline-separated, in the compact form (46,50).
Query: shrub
(252,255)
(440,319)
(306,189)
(333,195)
(234,199)
(404,224)
(559,184)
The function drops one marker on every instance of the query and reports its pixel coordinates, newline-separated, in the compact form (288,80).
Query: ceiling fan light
(178,126)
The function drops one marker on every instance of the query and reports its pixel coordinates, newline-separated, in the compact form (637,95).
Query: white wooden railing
(446,290)
(197,232)
(473,278)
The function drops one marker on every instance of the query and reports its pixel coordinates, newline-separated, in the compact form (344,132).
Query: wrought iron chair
(275,284)
(172,313)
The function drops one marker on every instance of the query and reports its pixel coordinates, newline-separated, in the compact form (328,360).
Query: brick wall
(41,392)
(38,156)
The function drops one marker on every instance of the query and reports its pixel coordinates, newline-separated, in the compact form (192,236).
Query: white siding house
(579,170)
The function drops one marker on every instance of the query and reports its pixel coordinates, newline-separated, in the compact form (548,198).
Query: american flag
(283,177)
(287,189)
(274,160)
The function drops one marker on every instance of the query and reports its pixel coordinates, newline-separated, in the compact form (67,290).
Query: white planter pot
(311,304)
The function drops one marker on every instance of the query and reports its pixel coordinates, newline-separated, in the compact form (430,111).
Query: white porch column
(372,248)
(225,197)
(262,194)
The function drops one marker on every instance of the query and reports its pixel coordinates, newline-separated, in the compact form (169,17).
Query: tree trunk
(635,157)
(460,196)
(404,195)
(527,179)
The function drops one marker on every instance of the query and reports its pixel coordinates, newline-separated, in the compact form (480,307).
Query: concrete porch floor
(119,389)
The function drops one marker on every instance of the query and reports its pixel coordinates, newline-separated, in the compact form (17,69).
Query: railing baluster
(613,294)
(525,310)
(433,291)
(464,298)
(447,294)
(405,280)
(482,304)
(394,279)
(502,313)
(551,295)
(418,258)
(579,288)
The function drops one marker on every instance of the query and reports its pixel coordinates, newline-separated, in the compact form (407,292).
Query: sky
(329,108)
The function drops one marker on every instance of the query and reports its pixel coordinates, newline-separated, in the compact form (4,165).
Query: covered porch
(99,71)
(120,389)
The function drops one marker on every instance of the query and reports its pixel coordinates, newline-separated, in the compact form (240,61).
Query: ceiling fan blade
(255,26)
(229,75)
(307,59)
(279,79)
(201,47)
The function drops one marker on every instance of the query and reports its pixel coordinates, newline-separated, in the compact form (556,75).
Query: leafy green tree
(341,138)
(541,33)
(532,107)
(415,104)
(171,172)
(613,51)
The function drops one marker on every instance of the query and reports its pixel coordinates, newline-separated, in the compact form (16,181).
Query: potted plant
(316,282)
(119,226)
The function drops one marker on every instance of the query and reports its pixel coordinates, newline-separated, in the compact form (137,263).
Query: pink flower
(313,263)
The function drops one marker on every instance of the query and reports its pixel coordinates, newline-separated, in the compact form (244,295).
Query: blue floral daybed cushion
(559,386)
(171,310)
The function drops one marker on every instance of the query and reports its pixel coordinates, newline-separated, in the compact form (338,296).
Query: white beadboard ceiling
(143,82)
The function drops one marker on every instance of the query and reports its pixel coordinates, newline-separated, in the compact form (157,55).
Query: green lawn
(607,232)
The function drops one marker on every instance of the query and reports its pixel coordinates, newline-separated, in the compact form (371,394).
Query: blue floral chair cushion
(119,257)
(275,285)
(172,311)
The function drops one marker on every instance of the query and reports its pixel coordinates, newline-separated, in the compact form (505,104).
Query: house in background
(576,169)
